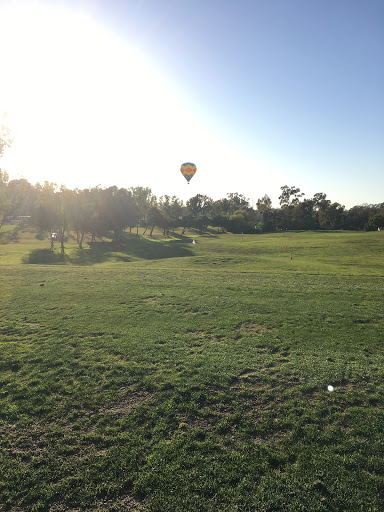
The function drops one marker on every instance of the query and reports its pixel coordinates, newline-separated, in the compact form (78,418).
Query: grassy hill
(166,375)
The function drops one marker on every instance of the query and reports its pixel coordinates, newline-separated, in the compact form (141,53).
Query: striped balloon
(188,171)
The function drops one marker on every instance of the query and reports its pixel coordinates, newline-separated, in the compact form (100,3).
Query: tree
(220,213)
(358,216)
(154,218)
(264,207)
(264,204)
(63,200)
(242,221)
(237,202)
(331,217)
(186,220)
(199,207)
(144,199)
(376,221)
(5,138)
(12,194)
(286,195)
(4,178)
(303,217)
(51,213)
(118,210)
(289,198)
(320,200)
(45,214)
(171,209)
(81,213)
(320,203)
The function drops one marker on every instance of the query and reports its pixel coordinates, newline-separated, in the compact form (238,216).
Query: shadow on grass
(4,238)
(45,257)
(153,250)
(10,236)
(130,249)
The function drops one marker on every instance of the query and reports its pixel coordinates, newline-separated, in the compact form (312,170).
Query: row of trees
(109,212)
(318,212)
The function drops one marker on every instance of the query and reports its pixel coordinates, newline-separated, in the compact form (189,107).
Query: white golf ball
(330,388)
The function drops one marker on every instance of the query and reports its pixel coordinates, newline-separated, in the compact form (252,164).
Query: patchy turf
(196,380)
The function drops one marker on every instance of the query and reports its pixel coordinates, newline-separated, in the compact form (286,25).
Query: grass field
(161,375)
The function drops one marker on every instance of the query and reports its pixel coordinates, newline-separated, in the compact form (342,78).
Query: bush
(40,235)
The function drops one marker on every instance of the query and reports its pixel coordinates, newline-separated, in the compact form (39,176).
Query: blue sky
(259,94)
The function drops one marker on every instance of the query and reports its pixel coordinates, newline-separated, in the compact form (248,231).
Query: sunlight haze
(257,94)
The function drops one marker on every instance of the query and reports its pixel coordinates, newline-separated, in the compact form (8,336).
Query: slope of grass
(194,376)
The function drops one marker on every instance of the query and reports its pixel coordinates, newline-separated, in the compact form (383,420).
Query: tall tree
(289,196)
(331,217)
(320,200)
(237,202)
(171,209)
(242,221)
(81,213)
(376,221)
(45,214)
(119,210)
(4,178)
(220,213)
(5,137)
(63,204)
(303,215)
(264,207)
(199,207)
(358,216)
(154,218)
(12,195)
(144,199)
(5,141)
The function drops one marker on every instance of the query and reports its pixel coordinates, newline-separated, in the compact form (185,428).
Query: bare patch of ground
(127,401)
(126,504)
(257,329)
(152,300)
(201,335)
(249,373)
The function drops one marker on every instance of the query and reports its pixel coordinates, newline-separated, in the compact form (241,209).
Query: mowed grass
(161,375)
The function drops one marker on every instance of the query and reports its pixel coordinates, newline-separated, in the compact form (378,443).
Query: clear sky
(257,93)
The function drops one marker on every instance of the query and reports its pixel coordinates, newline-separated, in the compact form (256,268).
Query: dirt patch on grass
(216,339)
(198,334)
(249,373)
(152,300)
(189,311)
(257,329)
(37,437)
(128,504)
(31,325)
(201,335)
(127,401)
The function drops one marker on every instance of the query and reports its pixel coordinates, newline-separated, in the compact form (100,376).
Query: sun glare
(81,102)
(86,108)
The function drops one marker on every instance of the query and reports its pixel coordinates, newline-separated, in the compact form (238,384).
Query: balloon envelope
(188,170)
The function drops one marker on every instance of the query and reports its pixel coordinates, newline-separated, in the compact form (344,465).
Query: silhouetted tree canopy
(109,212)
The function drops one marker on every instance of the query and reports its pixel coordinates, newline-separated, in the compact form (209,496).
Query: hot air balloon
(188,171)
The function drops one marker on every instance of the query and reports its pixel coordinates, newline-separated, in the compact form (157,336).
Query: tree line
(110,212)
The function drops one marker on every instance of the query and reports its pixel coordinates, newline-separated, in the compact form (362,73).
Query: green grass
(161,375)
